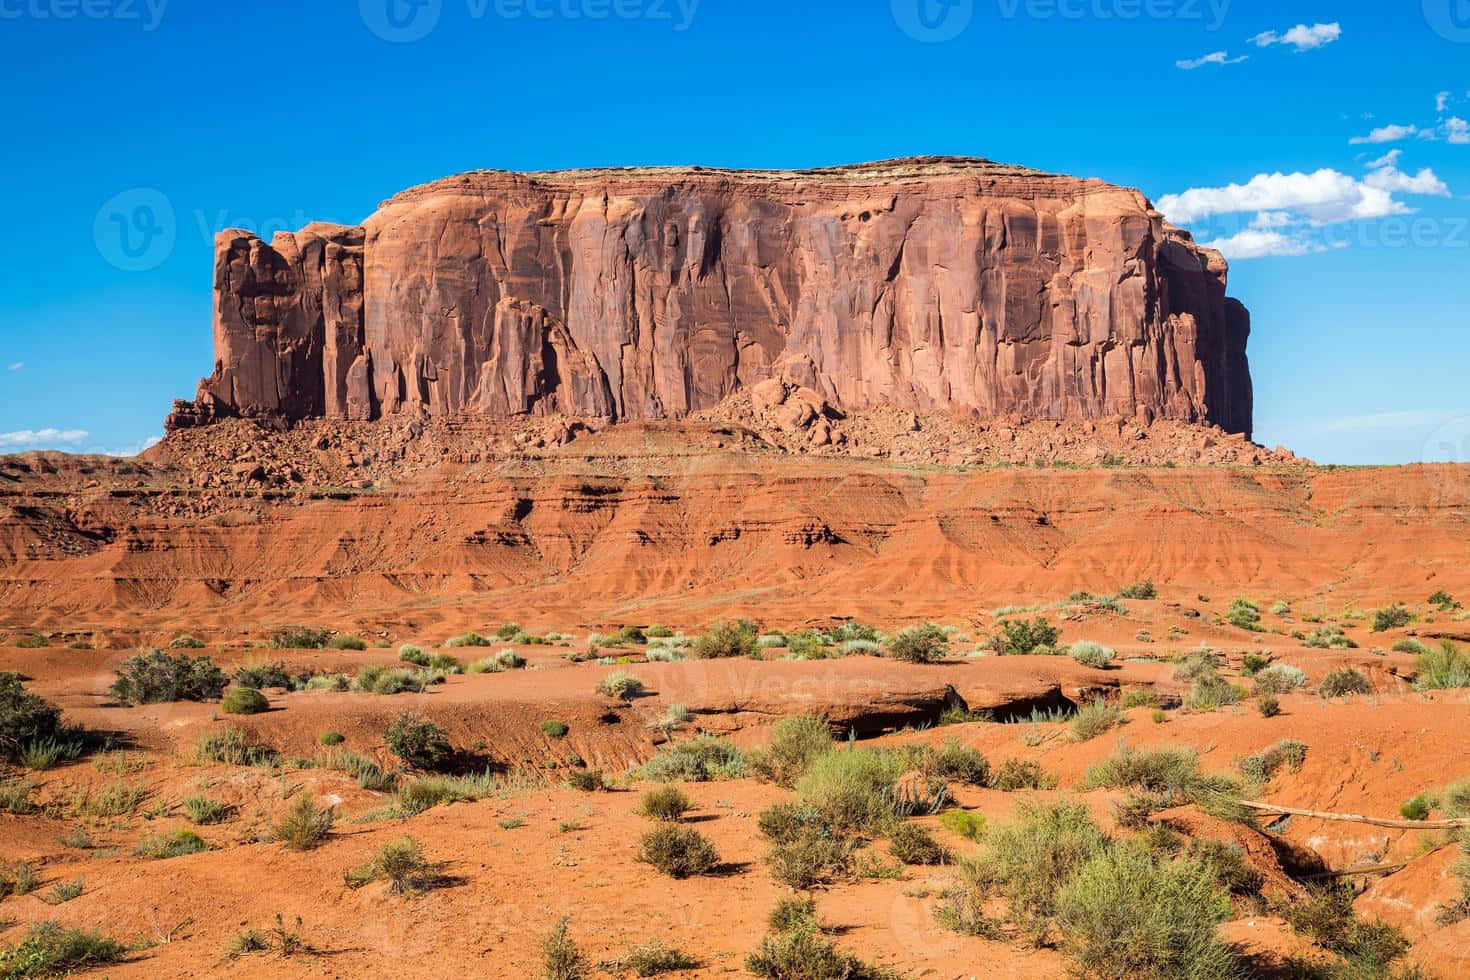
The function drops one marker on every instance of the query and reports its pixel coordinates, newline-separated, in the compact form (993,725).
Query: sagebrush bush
(1164,777)
(171,844)
(186,642)
(1245,615)
(1262,766)
(699,759)
(299,638)
(1029,860)
(1329,638)
(155,677)
(1391,617)
(1210,693)
(803,954)
(25,717)
(963,823)
(858,789)
(912,844)
(1139,590)
(923,644)
(1095,719)
(805,857)
(1090,654)
(737,638)
(410,654)
(401,863)
(1269,705)
(303,826)
(468,640)
(679,852)
(262,675)
(793,913)
(1279,679)
(1018,637)
(561,959)
(418,741)
(1015,775)
(204,811)
(621,685)
(554,729)
(587,780)
(49,950)
(347,641)
(666,803)
(1126,915)
(234,748)
(244,701)
(652,959)
(1343,682)
(795,744)
(955,761)
(1444,668)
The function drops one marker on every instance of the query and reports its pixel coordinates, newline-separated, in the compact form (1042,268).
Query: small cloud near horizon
(1301,37)
(39,438)
(1213,58)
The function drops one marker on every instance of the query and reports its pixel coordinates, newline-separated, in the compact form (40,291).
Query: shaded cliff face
(934,284)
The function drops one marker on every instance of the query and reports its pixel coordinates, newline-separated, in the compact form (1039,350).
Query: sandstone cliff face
(930,285)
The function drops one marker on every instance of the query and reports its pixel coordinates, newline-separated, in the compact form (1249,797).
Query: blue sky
(1333,161)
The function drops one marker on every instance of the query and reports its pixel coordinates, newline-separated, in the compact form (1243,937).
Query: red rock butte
(932,284)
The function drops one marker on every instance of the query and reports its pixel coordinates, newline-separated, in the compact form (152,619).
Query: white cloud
(1442,101)
(42,437)
(1457,131)
(1301,37)
(1255,244)
(1388,177)
(17,365)
(1273,219)
(1389,159)
(1386,134)
(1324,197)
(134,450)
(1213,58)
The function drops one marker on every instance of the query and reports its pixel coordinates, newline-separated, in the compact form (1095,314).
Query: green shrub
(679,852)
(1268,705)
(186,642)
(1019,637)
(304,826)
(621,685)
(410,654)
(1261,767)
(155,677)
(809,856)
(65,891)
(468,640)
(204,811)
(1197,666)
(554,729)
(560,957)
(234,748)
(654,959)
(445,663)
(1245,615)
(379,680)
(802,954)
(1391,617)
(1443,601)
(503,661)
(1328,638)
(955,761)
(1210,693)
(401,863)
(1226,864)
(912,844)
(793,913)
(587,780)
(257,676)
(1090,654)
(699,759)
(347,641)
(171,844)
(1368,949)
(1030,859)
(418,741)
(17,879)
(1095,719)
(795,744)
(25,718)
(1015,775)
(1138,697)
(1279,679)
(1443,669)
(33,641)
(666,803)
(1167,776)
(923,644)
(1126,915)
(332,738)
(1253,663)
(963,823)
(299,638)
(1417,808)
(738,638)
(1139,590)
(857,789)
(48,950)
(785,822)
(1343,682)
(244,701)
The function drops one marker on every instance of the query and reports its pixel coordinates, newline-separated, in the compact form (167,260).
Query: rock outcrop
(935,284)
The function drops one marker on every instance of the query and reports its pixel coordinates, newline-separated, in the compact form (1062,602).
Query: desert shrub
(1090,654)
(1417,808)
(679,852)
(372,679)
(1328,638)
(347,641)
(1343,682)
(807,645)
(858,789)
(1210,693)
(1245,615)
(186,642)
(795,744)
(923,644)
(1028,861)
(621,685)
(699,759)
(171,844)
(445,663)
(666,803)
(418,741)
(809,857)
(299,638)
(658,631)
(1164,777)
(328,682)
(65,891)
(244,701)
(561,959)
(1444,668)
(33,641)
(410,654)
(468,640)
(1139,590)
(401,863)
(19,878)
(1226,864)
(15,796)
(155,677)
(1443,601)
(257,676)
(48,950)
(955,761)
(803,954)
(41,754)
(554,729)
(732,638)
(912,844)
(1326,917)
(414,798)
(1279,679)
(1018,637)
(330,738)
(1138,697)
(785,822)
(849,632)
(1127,915)
(1391,617)
(25,717)
(1015,775)
(1197,666)
(1253,663)
(587,780)
(652,959)
(793,913)
(303,826)
(1407,645)
(204,811)
(1095,719)
(503,661)
(1261,767)
(234,748)
(1269,705)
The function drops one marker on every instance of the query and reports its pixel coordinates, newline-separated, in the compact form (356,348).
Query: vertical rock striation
(930,284)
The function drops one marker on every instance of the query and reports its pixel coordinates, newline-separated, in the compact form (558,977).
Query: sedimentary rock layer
(932,284)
